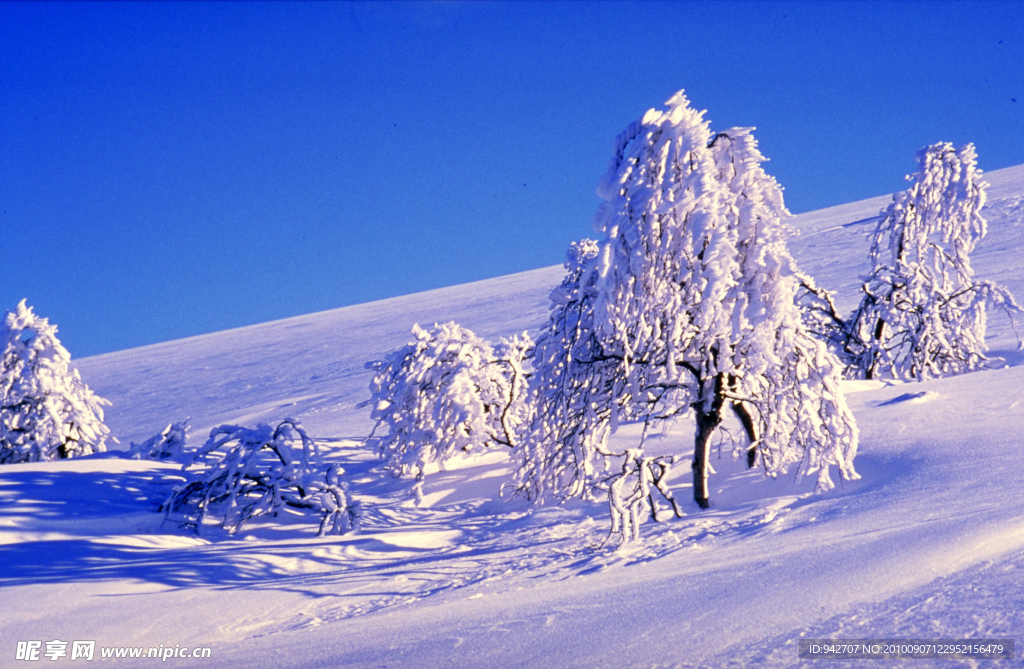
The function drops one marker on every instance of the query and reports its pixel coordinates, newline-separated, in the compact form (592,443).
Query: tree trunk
(869,373)
(748,426)
(707,420)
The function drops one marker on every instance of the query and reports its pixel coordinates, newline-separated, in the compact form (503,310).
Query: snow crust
(929,543)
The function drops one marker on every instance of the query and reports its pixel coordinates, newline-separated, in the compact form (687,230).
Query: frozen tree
(169,444)
(242,473)
(577,402)
(46,411)
(923,313)
(783,383)
(574,397)
(445,393)
(687,304)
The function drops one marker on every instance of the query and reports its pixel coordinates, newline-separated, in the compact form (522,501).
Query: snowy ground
(928,544)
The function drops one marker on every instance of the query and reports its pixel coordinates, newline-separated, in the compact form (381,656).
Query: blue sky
(171,169)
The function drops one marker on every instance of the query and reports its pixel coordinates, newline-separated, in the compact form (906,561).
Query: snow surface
(928,544)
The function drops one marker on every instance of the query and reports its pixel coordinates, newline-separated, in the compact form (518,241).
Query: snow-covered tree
(169,444)
(784,381)
(923,313)
(574,397)
(46,411)
(447,392)
(242,473)
(688,303)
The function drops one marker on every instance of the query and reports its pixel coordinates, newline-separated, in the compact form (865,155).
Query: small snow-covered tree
(243,473)
(923,313)
(46,411)
(168,444)
(688,303)
(445,393)
(630,494)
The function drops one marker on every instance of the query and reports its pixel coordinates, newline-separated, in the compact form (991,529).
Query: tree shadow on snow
(110,530)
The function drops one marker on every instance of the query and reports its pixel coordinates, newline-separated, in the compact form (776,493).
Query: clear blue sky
(171,169)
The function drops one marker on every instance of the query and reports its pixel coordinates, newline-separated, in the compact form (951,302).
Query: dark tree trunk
(748,426)
(707,420)
(869,373)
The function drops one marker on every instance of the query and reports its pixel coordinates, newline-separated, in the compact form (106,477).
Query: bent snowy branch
(243,473)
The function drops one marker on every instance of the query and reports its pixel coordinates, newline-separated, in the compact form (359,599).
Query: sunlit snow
(929,543)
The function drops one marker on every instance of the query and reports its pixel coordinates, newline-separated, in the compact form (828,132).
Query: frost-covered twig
(631,493)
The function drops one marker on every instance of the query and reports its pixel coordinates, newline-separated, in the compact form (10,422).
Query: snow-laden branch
(243,473)
(168,444)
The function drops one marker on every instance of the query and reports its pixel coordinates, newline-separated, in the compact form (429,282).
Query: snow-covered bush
(169,444)
(922,314)
(630,494)
(445,393)
(46,411)
(242,473)
(688,303)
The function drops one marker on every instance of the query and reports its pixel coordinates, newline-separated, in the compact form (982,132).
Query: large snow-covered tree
(447,392)
(46,411)
(922,313)
(687,304)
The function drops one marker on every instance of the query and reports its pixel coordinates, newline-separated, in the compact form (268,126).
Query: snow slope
(928,544)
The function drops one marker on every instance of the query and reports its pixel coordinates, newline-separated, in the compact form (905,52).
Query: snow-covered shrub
(242,473)
(445,393)
(46,411)
(922,314)
(630,493)
(169,444)
(688,303)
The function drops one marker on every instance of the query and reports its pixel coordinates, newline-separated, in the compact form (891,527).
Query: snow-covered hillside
(929,544)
